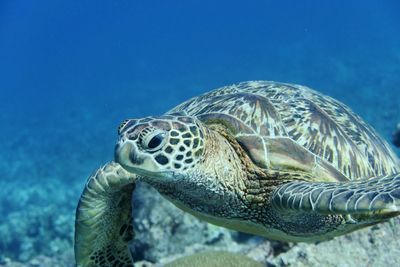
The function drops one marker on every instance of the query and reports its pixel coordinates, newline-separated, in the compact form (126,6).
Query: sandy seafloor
(54,134)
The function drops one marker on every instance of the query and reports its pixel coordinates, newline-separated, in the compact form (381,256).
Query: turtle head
(159,146)
(190,162)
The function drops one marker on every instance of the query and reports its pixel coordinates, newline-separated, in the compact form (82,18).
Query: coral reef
(374,246)
(214,259)
(64,259)
(37,220)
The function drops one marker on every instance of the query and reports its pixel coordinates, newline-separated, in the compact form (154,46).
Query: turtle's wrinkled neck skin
(215,186)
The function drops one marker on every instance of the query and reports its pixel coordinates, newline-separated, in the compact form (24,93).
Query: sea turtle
(271,159)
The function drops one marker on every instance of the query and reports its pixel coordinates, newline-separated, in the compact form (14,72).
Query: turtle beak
(125,153)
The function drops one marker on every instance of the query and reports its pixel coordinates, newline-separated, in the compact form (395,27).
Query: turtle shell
(293,128)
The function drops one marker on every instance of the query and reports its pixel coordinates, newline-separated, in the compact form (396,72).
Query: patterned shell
(293,128)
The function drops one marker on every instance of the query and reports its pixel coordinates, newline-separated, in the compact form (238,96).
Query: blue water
(70,71)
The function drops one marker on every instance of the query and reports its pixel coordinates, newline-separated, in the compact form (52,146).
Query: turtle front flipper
(378,197)
(103,225)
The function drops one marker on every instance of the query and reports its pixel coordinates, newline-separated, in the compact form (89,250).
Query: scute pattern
(332,131)
(367,140)
(250,109)
(323,126)
(319,133)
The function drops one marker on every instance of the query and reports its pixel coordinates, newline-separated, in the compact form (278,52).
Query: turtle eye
(154,141)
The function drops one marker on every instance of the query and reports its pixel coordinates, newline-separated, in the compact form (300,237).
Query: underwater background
(71,71)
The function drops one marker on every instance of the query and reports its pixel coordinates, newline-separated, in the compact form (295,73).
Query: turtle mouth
(122,153)
(146,173)
(128,156)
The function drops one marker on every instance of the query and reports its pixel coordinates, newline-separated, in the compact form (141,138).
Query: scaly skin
(103,224)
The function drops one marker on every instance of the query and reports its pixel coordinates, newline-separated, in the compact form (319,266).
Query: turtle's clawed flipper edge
(375,196)
(103,225)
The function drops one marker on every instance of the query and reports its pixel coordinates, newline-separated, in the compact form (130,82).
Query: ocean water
(71,71)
